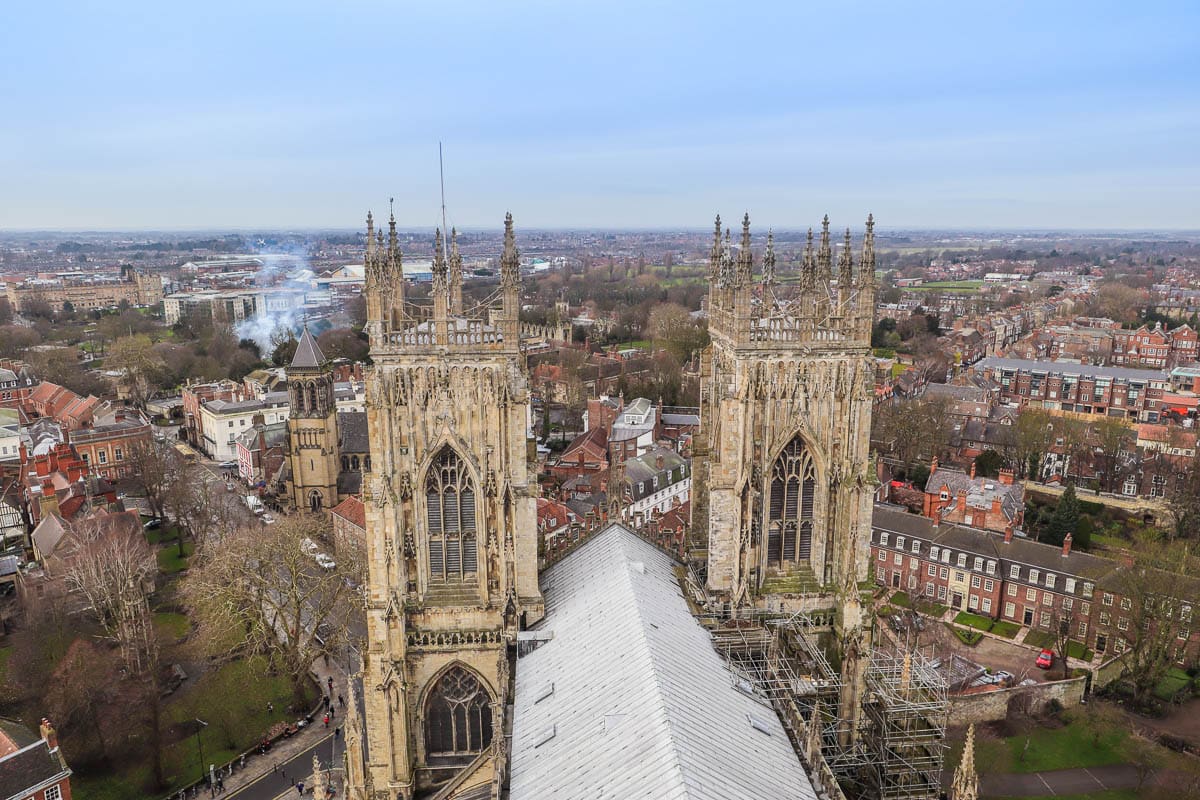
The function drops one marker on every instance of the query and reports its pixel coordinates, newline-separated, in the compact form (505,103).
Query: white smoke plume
(287,269)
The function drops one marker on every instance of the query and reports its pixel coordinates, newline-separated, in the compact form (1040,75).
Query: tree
(1034,437)
(154,467)
(257,586)
(1183,500)
(672,328)
(989,463)
(283,347)
(343,343)
(1111,437)
(141,370)
(1155,597)
(1064,518)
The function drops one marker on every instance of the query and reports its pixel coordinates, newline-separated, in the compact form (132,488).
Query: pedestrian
(341,701)
(300,788)
(274,766)
(326,720)
(330,679)
(332,711)
(270,707)
(337,732)
(325,699)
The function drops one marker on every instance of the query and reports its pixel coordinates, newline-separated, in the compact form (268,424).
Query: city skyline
(275,116)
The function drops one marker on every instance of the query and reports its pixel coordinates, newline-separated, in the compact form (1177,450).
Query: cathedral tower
(312,428)
(784,485)
(451,528)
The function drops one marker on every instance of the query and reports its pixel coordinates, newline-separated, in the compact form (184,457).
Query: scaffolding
(898,749)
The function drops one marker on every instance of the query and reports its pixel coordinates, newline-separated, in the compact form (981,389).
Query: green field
(169,561)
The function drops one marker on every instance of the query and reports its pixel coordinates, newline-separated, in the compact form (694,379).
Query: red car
(1045,659)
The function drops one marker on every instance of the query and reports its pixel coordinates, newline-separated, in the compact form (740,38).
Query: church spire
(510,271)
(866,265)
(846,265)
(825,255)
(808,266)
(768,260)
(714,260)
(745,263)
(966,781)
(456,275)
(370,235)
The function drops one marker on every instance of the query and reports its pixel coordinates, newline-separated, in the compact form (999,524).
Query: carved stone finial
(966,780)
(768,261)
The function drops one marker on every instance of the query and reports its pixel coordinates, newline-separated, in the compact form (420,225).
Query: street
(282,783)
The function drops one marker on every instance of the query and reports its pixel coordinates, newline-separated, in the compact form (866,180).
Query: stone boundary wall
(1107,672)
(993,706)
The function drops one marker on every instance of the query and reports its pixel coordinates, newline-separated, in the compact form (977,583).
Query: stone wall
(1107,672)
(992,706)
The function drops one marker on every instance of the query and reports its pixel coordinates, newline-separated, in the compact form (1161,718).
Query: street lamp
(200,747)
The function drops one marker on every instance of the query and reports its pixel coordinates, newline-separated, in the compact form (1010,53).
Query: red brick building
(106,449)
(31,766)
(994,504)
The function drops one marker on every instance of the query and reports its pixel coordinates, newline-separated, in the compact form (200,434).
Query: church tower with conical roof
(312,428)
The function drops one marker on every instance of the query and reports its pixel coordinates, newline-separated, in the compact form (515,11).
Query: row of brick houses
(1012,578)
(1081,388)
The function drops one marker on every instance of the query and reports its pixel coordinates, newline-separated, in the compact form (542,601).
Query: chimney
(47,732)
(972,470)
(962,500)
(937,517)
(933,465)
(1006,477)
(1008,533)
(1067,545)
(658,461)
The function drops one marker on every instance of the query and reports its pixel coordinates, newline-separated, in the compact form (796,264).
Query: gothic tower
(312,428)
(451,528)
(783,479)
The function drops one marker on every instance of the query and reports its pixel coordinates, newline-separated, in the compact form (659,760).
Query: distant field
(948,286)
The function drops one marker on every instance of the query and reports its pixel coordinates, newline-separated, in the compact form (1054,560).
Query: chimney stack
(1067,545)
(933,465)
(937,517)
(972,470)
(1006,477)
(1008,533)
(47,732)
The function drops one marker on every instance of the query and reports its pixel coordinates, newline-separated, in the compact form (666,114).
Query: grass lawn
(1072,745)
(1078,650)
(171,626)
(901,599)
(969,638)
(1174,682)
(5,652)
(1008,630)
(233,701)
(169,561)
(1040,639)
(973,621)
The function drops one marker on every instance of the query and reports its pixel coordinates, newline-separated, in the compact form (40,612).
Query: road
(282,783)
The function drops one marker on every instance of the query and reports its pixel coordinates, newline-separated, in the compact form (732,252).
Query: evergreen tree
(1065,518)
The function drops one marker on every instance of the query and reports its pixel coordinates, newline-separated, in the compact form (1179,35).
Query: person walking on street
(330,684)
(326,720)
(300,788)
(341,701)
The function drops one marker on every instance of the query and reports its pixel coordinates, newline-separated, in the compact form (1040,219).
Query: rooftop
(1064,368)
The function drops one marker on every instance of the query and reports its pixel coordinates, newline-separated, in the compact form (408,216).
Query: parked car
(152,524)
(897,623)
(325,562)
(1045,659)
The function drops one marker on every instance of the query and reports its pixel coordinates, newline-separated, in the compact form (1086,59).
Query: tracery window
(458,715)
(790,511)
(450,513)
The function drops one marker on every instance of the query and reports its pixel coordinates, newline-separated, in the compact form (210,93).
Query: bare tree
(1034,437)
(1111,437)
(154,467)
(1183,497)
(258,586)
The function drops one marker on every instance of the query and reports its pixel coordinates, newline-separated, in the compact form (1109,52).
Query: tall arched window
(450,513)
(458,716)
(315,501)
(790,513)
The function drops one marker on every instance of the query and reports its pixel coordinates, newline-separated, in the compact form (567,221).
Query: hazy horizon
(297,115)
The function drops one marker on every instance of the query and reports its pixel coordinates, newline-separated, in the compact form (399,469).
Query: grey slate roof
(352,432)
(29,767)
(1065,368)
(308,355)
(642,705)
(980,491)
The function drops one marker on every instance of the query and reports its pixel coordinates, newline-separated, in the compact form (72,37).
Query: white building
(224,421)
(656,482)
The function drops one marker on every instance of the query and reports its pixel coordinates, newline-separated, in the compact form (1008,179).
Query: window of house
(974,581)
(914,564)
(881,576)
(53,793)
(1050,578)
(1183,633)
(989,585)
(1047,598)
(945,556)
(1107,599)
(1070,586)
(1034,575)
(1010,610)
(231,423)
(900,542)
(931,571)
(1045,619)
(973,602)
(960,576)
(1067,604)
(1088,588)
(898,560)
(1031,595)
(943,573)
(1122,623)
(941,593)
(103,456)
(1012,590)
(1126,604)
(962,560)
(1104,618)
(929,589)
(882,556)
(1082,629)
(1014,571)
(978,564)
(883,538)
(991,567)
(987,605)
(118,455)
(916,546)
(934,552)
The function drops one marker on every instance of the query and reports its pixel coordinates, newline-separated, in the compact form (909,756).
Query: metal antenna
(442,179)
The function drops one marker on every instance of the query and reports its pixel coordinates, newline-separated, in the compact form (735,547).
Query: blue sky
(123,115)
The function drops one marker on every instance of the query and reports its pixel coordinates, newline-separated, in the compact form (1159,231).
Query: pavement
(1081,781)
(281,782)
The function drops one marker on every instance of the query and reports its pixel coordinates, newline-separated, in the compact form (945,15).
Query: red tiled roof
(353,511)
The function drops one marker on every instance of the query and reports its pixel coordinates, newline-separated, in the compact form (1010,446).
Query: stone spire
(768,261)
(440,298)
(320,787)
(866,264)
(510,270)
(370,235)
(714,259)
(725,274)
(395,271)
(825,255)
(745,263)
(812,737)
(966,780)
(456,275)
(846,265)
(373,278)
(808,266)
